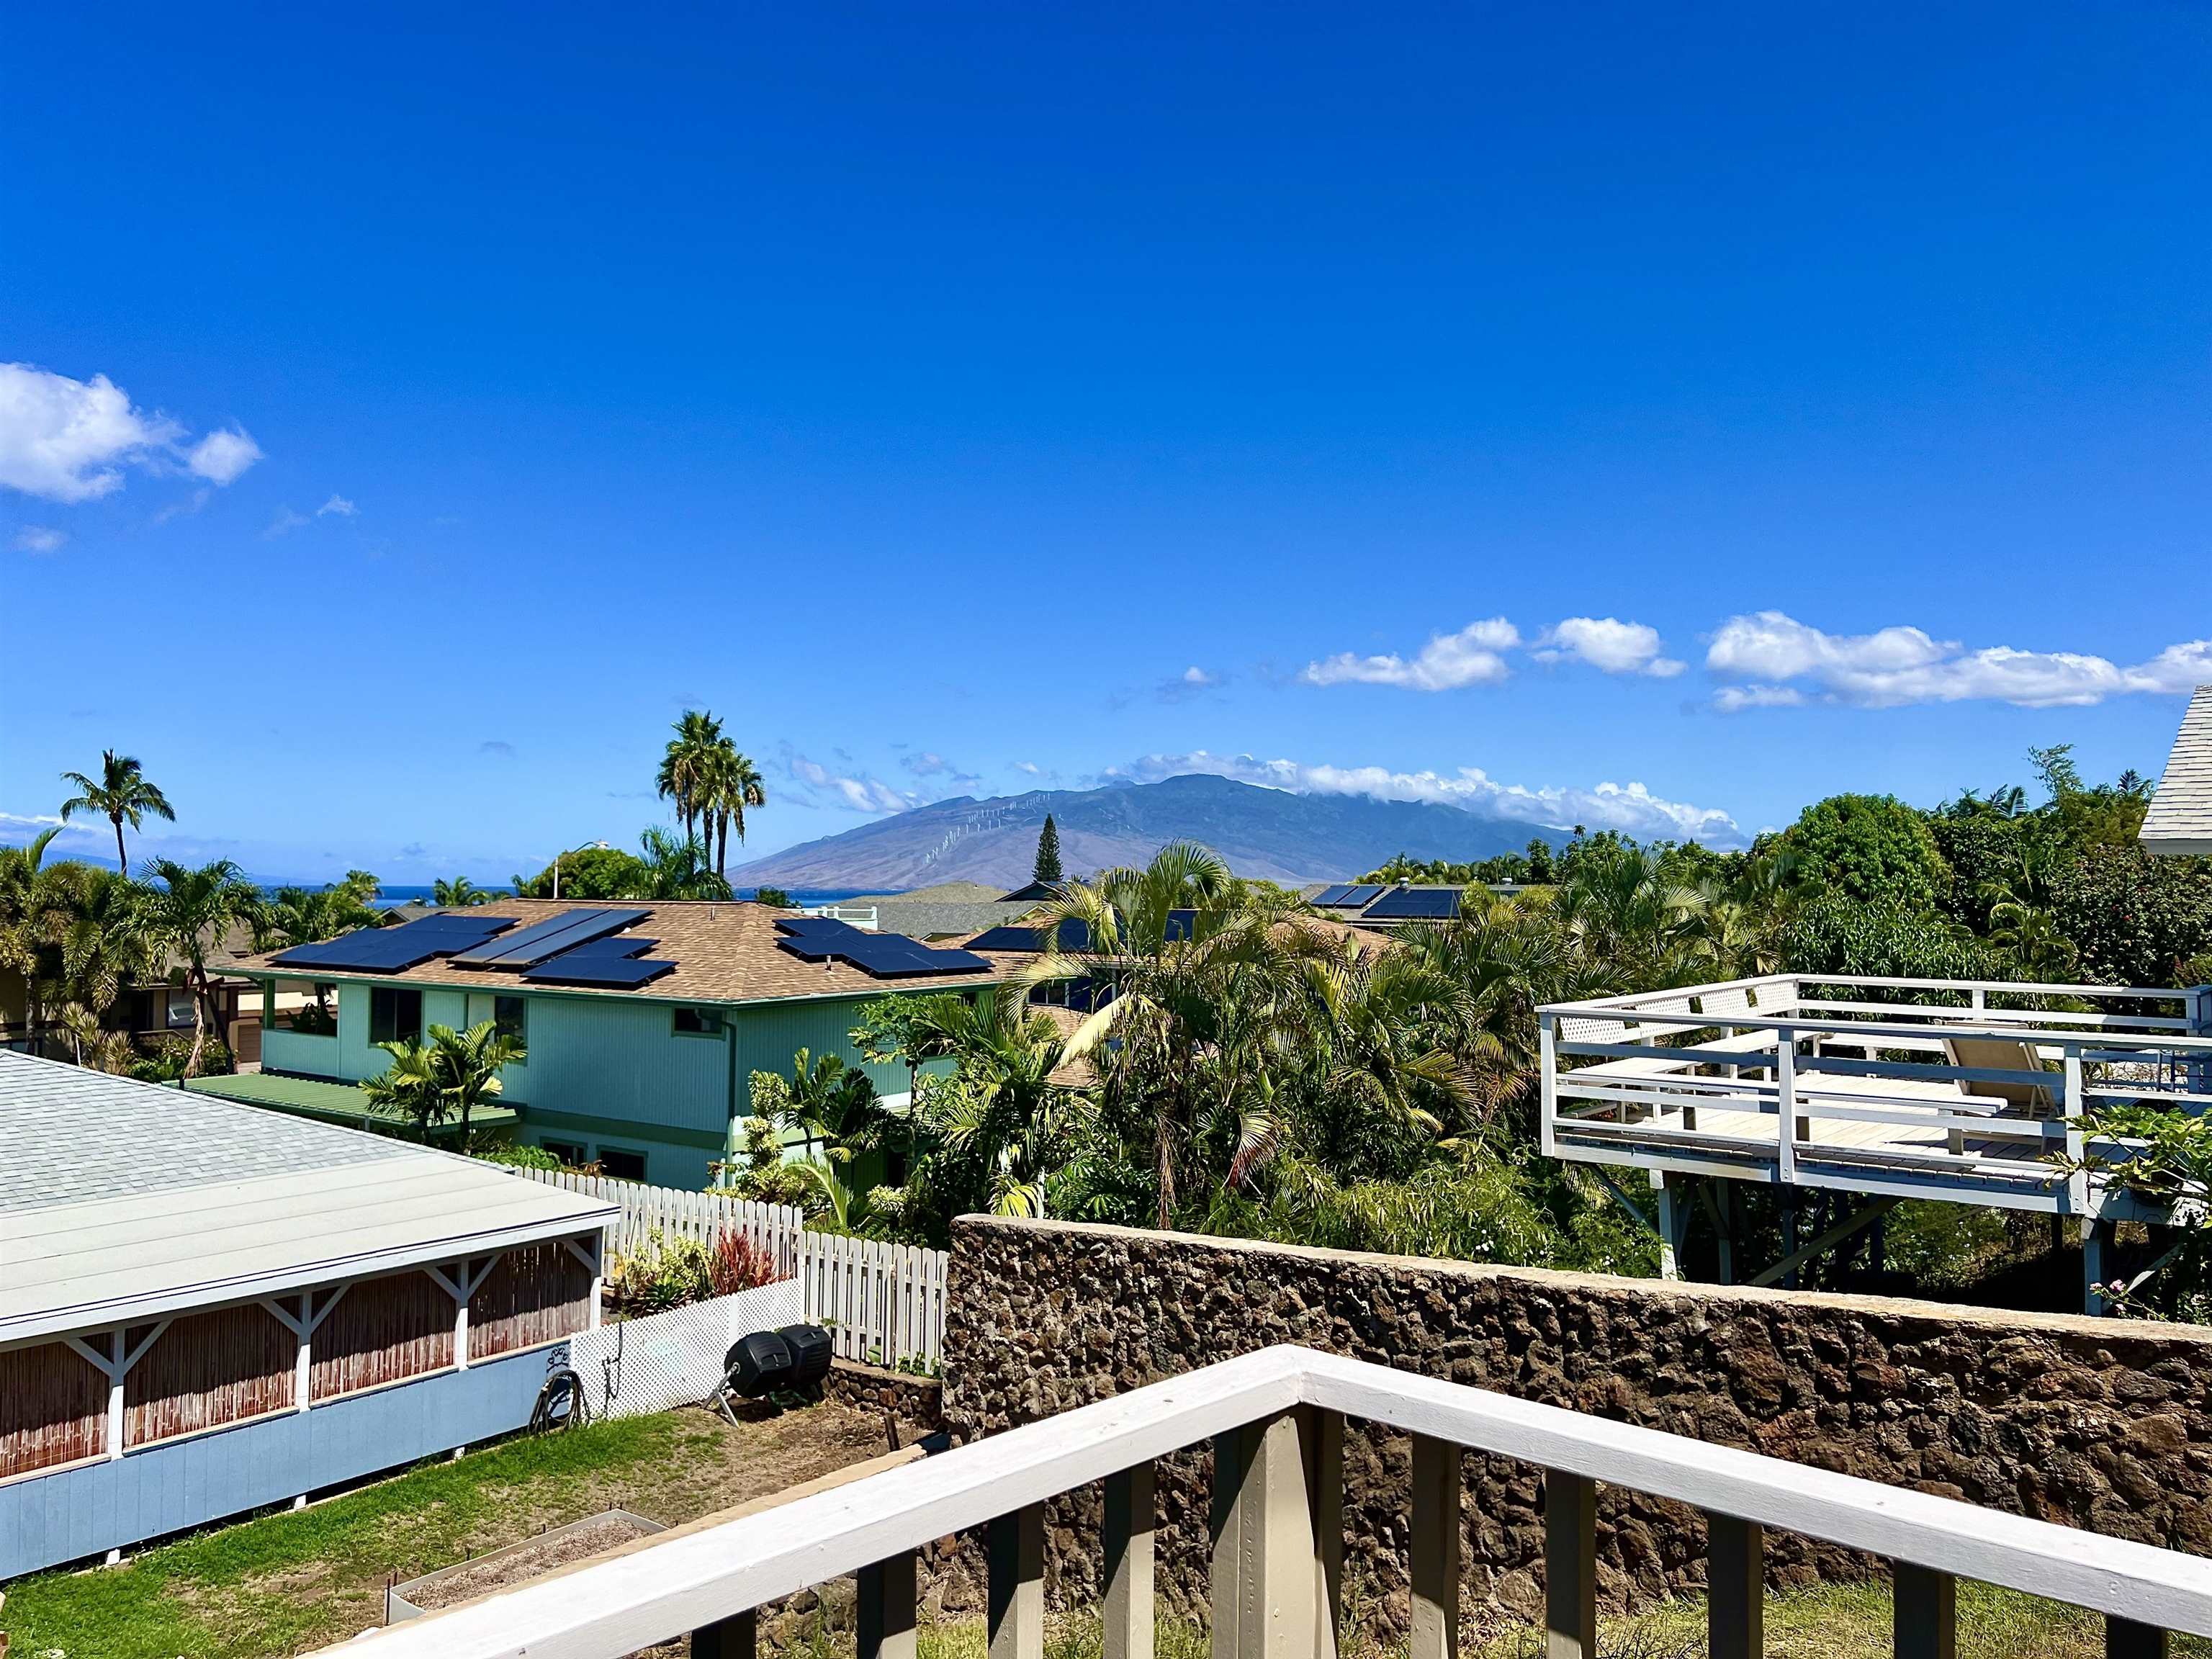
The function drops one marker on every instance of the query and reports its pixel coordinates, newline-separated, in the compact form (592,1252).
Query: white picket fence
(884,1303)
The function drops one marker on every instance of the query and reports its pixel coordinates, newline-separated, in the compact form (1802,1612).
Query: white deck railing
(1275,1420)
(1888,1086)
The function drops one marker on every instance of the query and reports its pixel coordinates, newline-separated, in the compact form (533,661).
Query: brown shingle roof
(722,952)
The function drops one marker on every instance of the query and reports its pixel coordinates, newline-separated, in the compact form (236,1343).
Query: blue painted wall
(48,1519)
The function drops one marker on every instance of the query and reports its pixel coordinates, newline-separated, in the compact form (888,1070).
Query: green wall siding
(770,1034)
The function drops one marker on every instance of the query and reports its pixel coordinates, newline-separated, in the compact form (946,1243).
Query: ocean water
(396,894)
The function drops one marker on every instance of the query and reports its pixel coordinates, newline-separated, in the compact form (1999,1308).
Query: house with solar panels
(1384,904)
(642,1023)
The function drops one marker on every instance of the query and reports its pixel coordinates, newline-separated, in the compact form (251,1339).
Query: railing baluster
(1273,1591)
(725,1638)
(1434,1549)
(1570,1567)
(2126,1639)
(1926,1613)
(1016,1584)
(1736,1588)
(883,1612)
(1128,1610)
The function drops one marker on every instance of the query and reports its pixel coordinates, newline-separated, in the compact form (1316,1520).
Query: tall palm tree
(686,766)
(187,916)
(733,784)
(459,894)
(123,795)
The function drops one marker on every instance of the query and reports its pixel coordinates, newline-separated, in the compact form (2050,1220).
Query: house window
(506,1013)
(570,1153)
(698,1022)
(394,1015)
(622,1165)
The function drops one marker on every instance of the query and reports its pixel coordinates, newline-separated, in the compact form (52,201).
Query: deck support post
(1926,1613)
(1278,1537)
(1736,1588)
(1570,1567)
(1436,1549)
(727,1638)
(2126,1639)
(1670,1225)
(1129,1540)
(883,1622)
(1016,1584)
(2095,1237)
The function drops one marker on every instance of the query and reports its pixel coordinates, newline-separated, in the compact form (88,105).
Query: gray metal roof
(2180,817)
(122,1201)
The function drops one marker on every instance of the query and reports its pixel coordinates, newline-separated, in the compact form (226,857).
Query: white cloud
(1630,808)
(1194,681)
(1447,662)
(1606,643)
(930,765)
(1893,666)
(39,539)
(337,504)
(67,440)
(284,523)
(223,457)
(861,793)
(1030,767)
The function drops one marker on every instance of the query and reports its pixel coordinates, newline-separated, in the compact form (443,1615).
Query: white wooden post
(1273,1592)
(2077,1183)
(1128,1539)
(1736,1588)
(117,1372)
(1570,1567)
(1926,1613)
(1785,1086)
(1436,1551)
(1670,1228)
(1547,1082)
(884,1616)
(1016,1589)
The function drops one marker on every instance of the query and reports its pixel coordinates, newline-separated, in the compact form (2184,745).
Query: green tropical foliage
(187,913)
(446,1073)
(1046,866)
(711,784)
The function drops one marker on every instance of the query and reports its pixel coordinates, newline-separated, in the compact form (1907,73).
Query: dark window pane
(622,1165)
(699,1022)
(394,1015)
(507,1014)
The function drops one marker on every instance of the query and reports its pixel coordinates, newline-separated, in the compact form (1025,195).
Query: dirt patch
(521,1564)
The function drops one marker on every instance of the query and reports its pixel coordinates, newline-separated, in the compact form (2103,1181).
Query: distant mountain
(1266,833)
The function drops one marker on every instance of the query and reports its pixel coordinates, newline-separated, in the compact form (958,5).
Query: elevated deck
(1968,1091)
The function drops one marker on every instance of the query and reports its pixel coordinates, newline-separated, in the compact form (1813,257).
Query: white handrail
(698,1580)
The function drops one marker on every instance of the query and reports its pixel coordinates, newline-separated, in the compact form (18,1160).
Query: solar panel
(1415,904)
(1180,923)
(608,949)
(1330,897)
(550,938)
(462,921)
(392,950)
(1365,893)
(608,973)
(884,956)
(814,927)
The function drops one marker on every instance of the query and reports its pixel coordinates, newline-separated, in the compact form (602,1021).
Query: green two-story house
(642,1023)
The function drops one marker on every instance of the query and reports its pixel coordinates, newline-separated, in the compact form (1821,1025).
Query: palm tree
(308,915)
(122,795)
(1000,1126)
(677,869)
(409,1086)
(1164,943)
(686,766)
(733,784)
(467,1065)
(188,914)
(459,894)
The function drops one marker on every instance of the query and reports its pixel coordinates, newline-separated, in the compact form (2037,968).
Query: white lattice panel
(635,1366)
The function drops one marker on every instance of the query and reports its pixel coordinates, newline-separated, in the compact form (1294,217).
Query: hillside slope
(1261,832)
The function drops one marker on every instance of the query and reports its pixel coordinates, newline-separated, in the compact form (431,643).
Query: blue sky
(1614,415)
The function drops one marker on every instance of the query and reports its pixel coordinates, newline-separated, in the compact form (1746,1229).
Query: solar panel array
(548,938)
(395,950)
(1415,904)
(884,956)
(1075,935)
(601,969)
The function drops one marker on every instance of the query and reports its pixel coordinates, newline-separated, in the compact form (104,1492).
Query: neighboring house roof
(126,1202)
(941,919)
(347,1103)
(1037,893)
(724,952)
(2180,817)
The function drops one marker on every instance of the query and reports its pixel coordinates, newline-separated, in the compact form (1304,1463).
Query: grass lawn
(290,1583)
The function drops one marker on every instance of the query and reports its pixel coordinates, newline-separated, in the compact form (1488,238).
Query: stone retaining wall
(2092,1423)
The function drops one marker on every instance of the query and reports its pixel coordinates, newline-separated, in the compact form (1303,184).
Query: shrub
(741,1264)
(520,1158)
(1869,847)
(2136,919)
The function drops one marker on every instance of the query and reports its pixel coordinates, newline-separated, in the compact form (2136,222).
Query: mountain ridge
(1269,834)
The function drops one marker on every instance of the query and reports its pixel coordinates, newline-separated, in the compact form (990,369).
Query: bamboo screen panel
(539,1293)
(53,1409)
(206,1370)
(382,1330)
